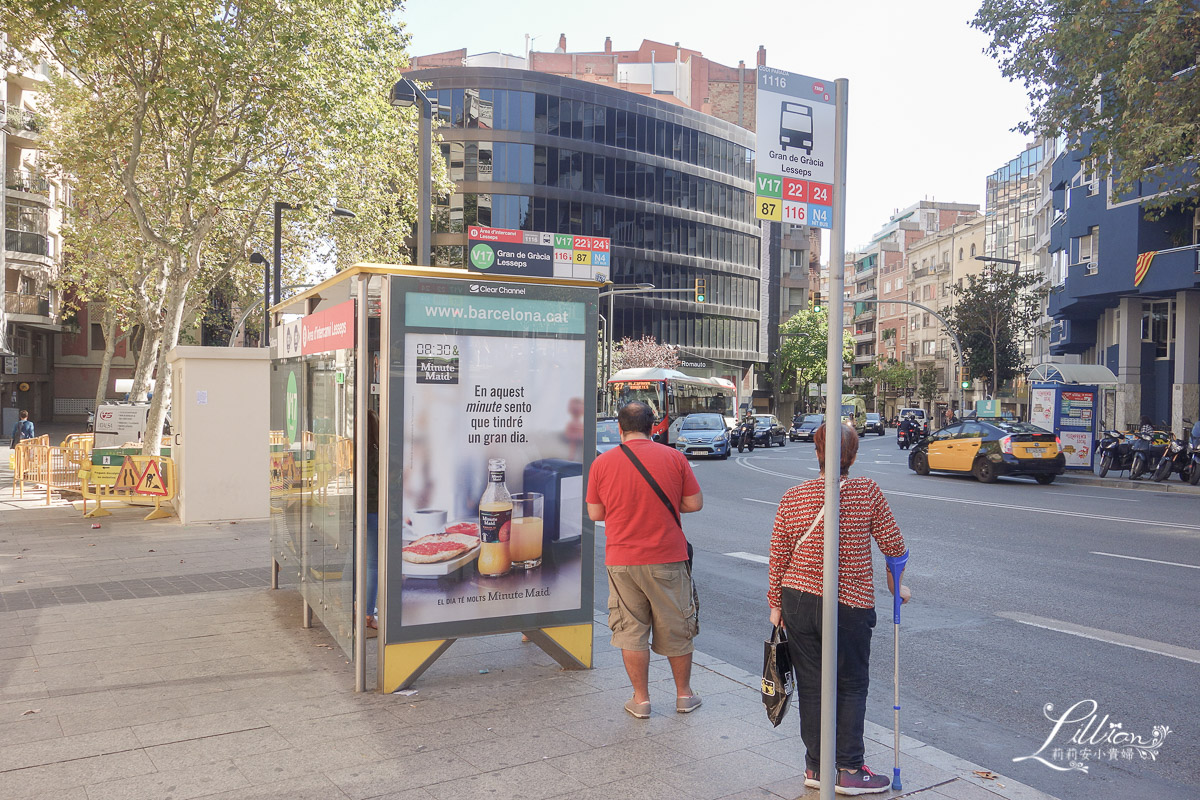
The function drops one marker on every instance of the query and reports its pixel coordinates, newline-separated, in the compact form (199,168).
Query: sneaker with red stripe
(860,781)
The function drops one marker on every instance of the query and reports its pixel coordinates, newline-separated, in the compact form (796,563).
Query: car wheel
(1105,463)
(1045,480)
(984,471)
(725,455)
(920,464)
(1138,467)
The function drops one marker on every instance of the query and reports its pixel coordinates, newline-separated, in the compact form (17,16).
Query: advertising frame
(1071,402)
(509,304)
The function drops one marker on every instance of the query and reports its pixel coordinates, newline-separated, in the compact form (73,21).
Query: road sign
(558,255)
(794,151)
(152,481)
(128,477)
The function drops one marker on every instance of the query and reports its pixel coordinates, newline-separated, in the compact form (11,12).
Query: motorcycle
(1116,452)
(904,439)
(1147,448)
(1177,459)
(745,434)
(1194,465)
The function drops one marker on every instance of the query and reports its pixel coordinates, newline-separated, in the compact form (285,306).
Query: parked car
(703,435)
(875,424)
(803,427)
(608,434)
(990,449)
(768,431)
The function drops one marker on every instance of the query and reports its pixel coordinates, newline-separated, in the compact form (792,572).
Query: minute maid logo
(482,256)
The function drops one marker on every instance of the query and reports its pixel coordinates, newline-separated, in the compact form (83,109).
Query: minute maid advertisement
(490,389)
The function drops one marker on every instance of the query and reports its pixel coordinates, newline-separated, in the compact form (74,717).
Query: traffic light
(816,301)
(701,290)
(966,384)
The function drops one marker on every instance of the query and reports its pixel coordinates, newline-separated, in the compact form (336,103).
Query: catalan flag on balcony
(1143,266)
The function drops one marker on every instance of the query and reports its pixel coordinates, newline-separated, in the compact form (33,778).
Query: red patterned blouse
(865,514)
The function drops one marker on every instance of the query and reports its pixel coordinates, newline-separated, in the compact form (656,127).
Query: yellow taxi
(989,448)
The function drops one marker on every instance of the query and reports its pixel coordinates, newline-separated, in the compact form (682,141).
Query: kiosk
(1067,399)
(429,443)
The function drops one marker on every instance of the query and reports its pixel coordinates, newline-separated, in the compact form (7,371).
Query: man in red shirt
(649,578)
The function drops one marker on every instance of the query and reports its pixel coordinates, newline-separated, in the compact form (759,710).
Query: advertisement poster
(1042,408)
(1077,448)
(491,385)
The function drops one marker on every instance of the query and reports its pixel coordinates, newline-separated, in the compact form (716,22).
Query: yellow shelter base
(569,645)
(404,663)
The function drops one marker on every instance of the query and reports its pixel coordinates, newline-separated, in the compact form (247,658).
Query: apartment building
(32,202)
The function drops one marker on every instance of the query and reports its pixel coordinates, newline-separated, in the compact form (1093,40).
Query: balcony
(868,336)
(865,358)
(863,316)
(36,244)
(864,274)
(20,122)
(19,180)
(33,305)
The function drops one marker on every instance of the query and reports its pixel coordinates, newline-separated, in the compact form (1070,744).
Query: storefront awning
(1072,373)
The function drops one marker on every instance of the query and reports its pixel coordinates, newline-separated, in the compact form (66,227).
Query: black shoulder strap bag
(658,490)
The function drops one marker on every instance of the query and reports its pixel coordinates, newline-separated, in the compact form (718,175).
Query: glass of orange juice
(525,539)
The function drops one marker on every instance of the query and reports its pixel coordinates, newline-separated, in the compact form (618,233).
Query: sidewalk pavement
(1121,480)
(151,660)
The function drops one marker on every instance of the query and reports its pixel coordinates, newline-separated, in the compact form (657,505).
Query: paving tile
(65,748)
(279,765)
(178,730)
(122,716)
(39,783)
(608,730)
(176,784)
(510,750)
(429,736)
(397,774)
(305,787)
(644,787)
(725,774)
(959,789)
(222,747)
(716,737)
(533,781)
(624,760)
(31,728)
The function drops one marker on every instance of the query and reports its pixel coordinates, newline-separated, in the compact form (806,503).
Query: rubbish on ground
(986,774)
(483,672)
(408,693)
(95,525)
(31,711)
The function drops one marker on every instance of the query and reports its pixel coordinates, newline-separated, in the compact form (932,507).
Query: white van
(919,415)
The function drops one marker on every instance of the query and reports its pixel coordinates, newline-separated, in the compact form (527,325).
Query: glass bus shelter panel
(328,553)
(288,465)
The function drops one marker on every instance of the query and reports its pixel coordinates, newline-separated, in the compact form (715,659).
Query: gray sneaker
(860,781)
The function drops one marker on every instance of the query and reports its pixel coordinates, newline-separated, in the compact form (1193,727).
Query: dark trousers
(802,618)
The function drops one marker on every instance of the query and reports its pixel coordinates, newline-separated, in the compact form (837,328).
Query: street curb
(1144,485)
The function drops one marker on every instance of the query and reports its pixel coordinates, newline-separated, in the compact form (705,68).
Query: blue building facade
(1125,293)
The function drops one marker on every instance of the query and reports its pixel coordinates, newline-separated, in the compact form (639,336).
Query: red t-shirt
(638,528)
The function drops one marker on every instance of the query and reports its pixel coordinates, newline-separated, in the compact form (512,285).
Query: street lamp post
(250,310)
(637,288)
(997,260)
(406,93)
(257,258)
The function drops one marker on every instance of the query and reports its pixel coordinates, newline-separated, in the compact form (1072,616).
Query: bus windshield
(648,392)
(796,121)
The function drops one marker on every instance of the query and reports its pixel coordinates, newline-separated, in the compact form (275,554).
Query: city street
(1024,597)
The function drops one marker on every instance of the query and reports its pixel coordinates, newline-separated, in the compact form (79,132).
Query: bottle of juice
(495,523)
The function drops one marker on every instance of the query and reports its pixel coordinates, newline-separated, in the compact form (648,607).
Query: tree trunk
(147,356)
(110,347)
(174,308)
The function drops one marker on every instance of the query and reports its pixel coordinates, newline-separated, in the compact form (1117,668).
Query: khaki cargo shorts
(652,597)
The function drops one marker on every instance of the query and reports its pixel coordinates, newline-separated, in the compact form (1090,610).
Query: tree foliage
(196,114)
(889,373)
(645,352)
(1121,70)
(994,315)
(803,349)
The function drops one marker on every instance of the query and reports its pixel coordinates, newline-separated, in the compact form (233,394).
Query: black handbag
(778,681)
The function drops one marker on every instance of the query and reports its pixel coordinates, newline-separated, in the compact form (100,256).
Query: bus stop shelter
(396,395)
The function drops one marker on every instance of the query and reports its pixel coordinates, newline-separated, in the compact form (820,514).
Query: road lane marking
(1093,496)
(750,556)
(1009,506)
(1148,560)
(764,502)
(1108,637)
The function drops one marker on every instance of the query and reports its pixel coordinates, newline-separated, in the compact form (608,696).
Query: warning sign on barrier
(152,482)
(128,477)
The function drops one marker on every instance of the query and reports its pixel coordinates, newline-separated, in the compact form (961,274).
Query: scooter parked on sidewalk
(1194,451)
(1116,451)
(1177,459)
(1147,448)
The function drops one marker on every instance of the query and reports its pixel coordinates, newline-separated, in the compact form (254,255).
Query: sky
(930,115)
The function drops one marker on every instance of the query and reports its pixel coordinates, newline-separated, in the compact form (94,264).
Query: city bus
(672,396)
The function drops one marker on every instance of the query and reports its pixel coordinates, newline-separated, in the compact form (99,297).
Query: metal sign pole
(833,450)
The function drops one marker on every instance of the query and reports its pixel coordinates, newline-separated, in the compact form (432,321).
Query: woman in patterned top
(794,594)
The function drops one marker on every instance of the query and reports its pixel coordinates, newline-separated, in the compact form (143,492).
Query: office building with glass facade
(671,187)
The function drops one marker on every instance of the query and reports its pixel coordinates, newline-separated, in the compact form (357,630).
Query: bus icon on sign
(796,127)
